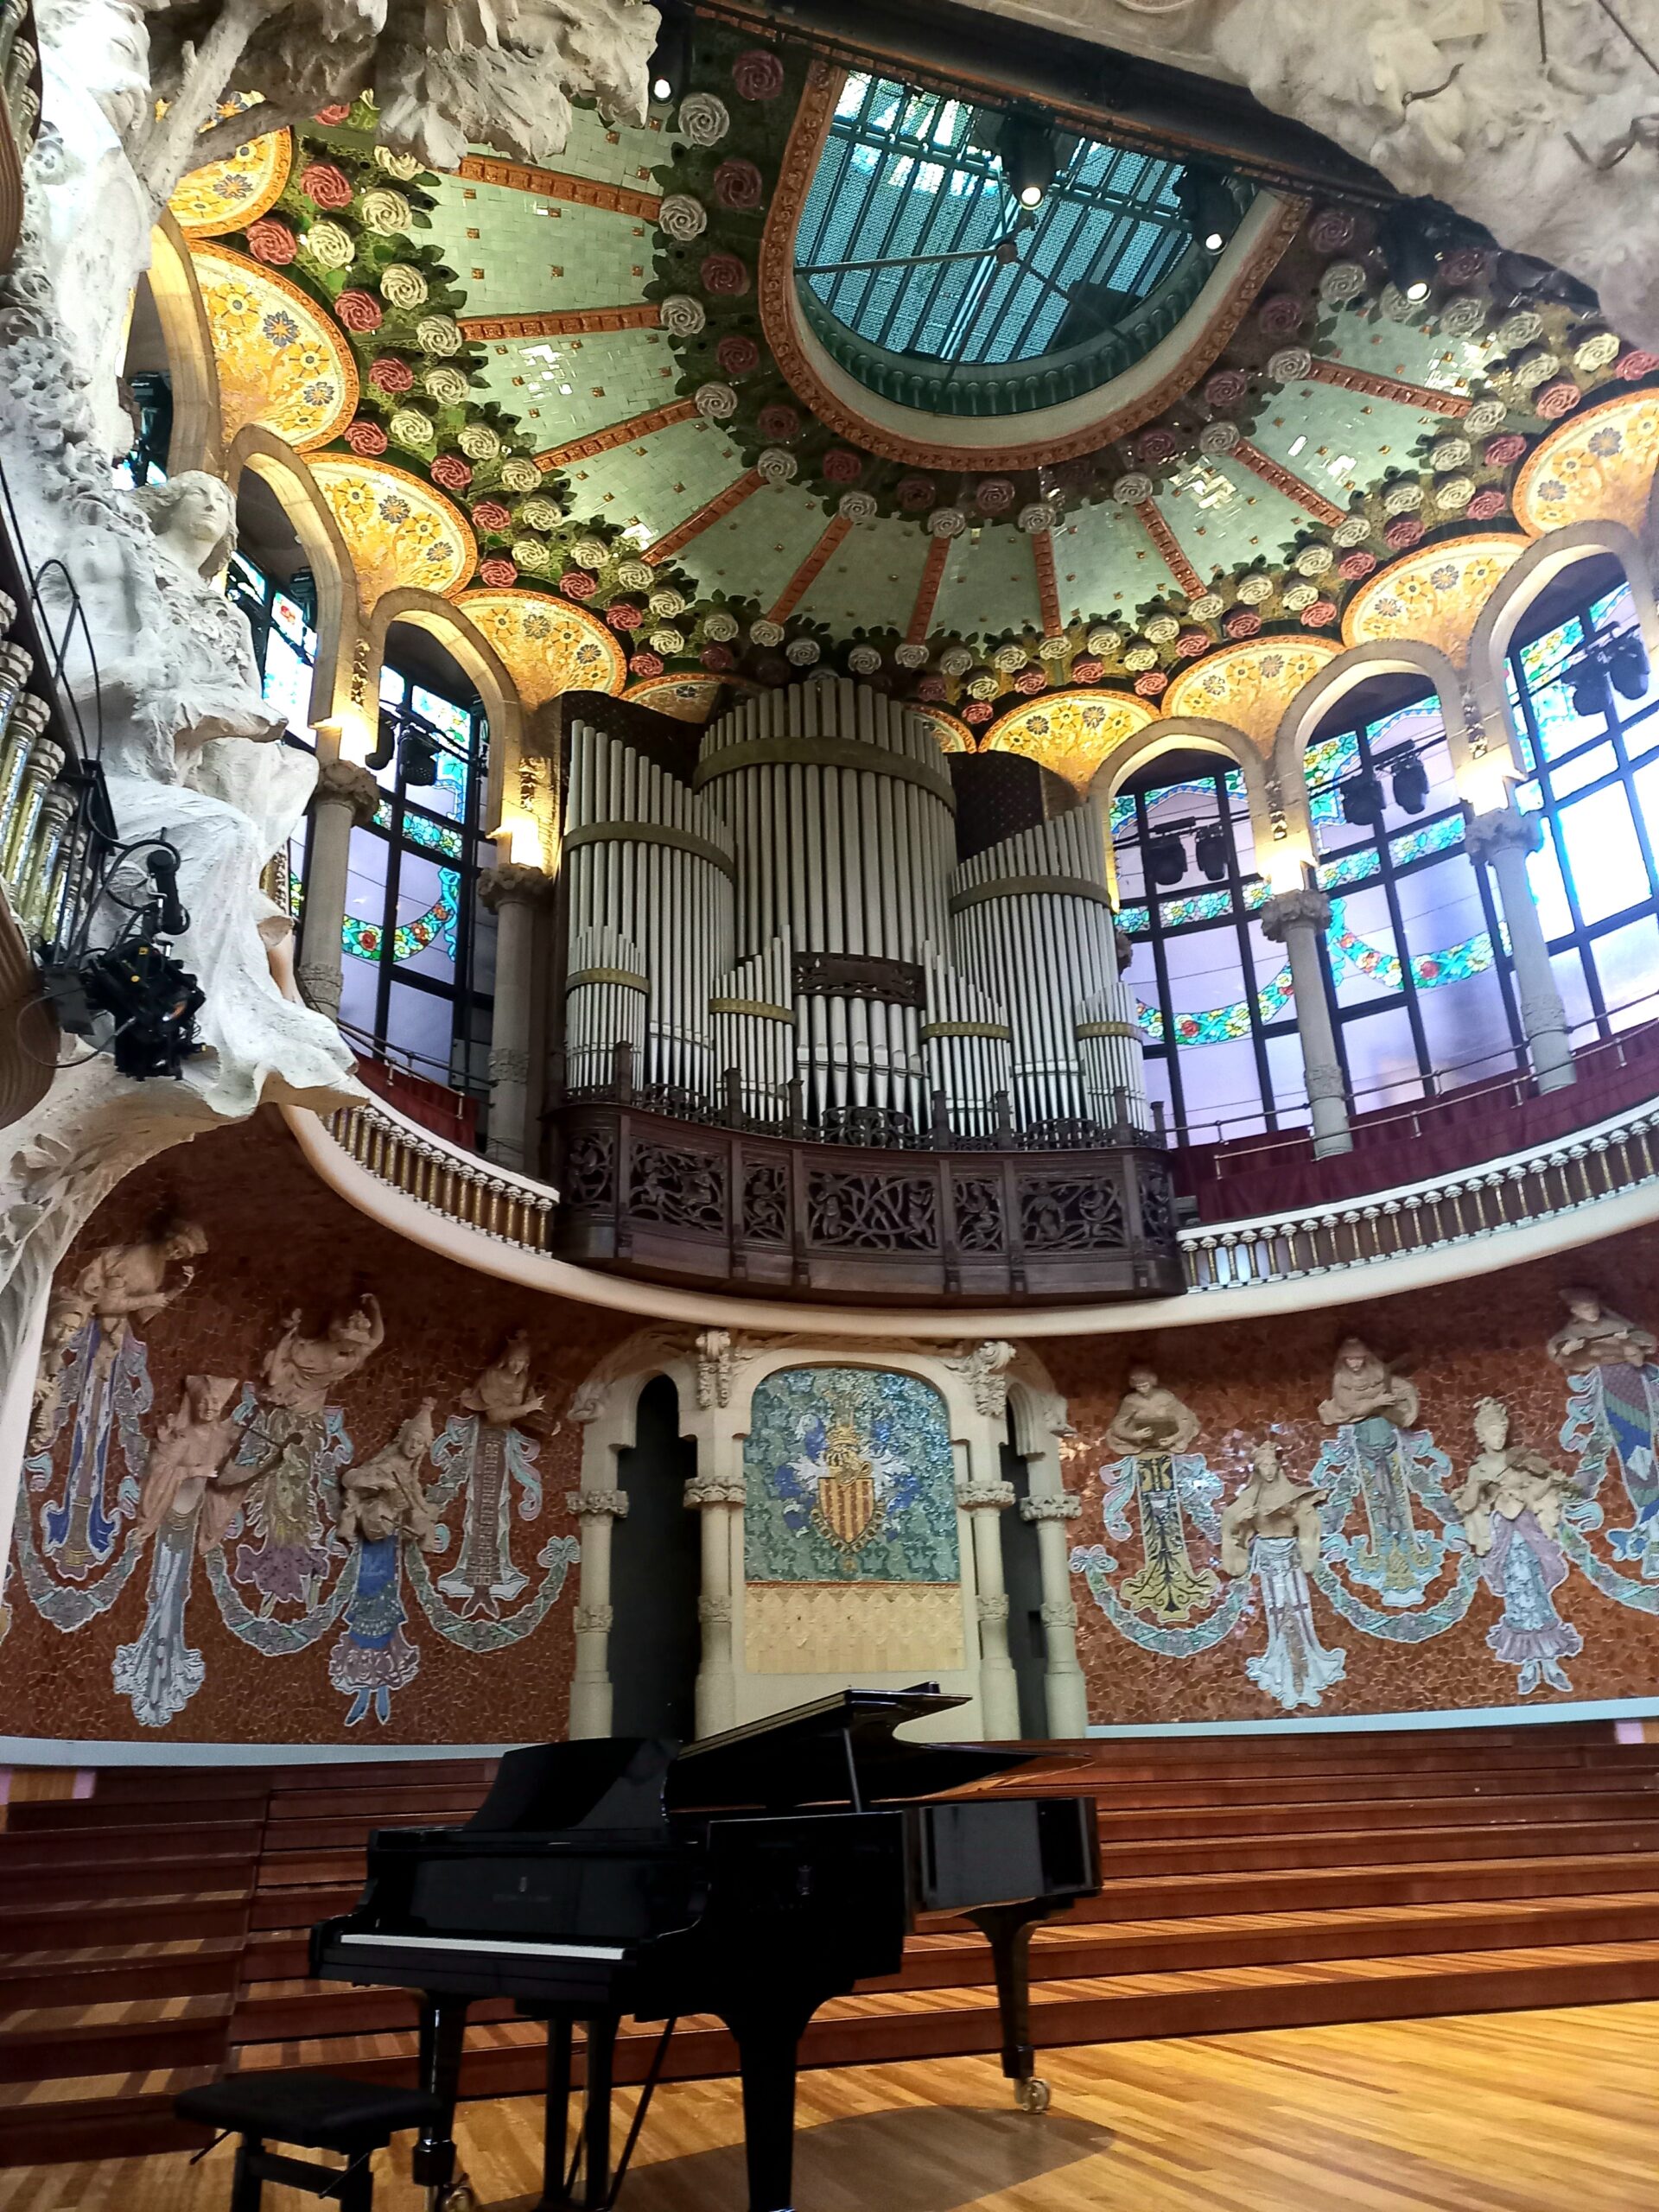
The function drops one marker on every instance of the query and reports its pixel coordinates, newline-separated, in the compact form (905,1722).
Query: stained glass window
(1594,784)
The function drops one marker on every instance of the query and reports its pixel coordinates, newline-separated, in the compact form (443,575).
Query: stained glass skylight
(912,240)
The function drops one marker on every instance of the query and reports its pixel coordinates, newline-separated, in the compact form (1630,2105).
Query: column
(513,893)
(347,798)
(1064,1692)
(1500,841)
(998,1690)
(590,1686)
(716,1699)
(1298,919)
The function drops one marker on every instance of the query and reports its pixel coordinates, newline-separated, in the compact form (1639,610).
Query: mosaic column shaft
(1298,919)
(717,1696)
(1501,841)
(590,1685)
(347,798)
(515,894)
(999,1691)
(1064,1692)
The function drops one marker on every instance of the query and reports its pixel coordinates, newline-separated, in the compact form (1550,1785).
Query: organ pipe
(794,910)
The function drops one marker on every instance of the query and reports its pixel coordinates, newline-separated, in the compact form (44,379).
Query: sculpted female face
(1492,1426)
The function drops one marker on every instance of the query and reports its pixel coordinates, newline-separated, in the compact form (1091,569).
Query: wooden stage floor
(1515,2112)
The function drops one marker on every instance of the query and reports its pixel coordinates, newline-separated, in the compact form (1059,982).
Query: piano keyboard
(471,1946)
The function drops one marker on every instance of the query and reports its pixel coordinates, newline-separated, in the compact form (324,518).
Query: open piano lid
(839,1749)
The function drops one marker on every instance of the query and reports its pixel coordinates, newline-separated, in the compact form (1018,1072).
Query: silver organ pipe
(1033,918)
(779,769)
(604,995)
(797,913)
(968,1045)
(649,859)
(754,1028)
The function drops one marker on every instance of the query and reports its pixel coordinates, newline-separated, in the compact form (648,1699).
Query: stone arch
(1360,665)
(505,806)
(198,434)
(1542,565)
(1188,732)
(342,697)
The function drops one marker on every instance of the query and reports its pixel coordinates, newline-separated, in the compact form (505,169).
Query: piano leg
(444,2026)
(768,2038)
(556,2117)
(1008,1927)
(596,2113)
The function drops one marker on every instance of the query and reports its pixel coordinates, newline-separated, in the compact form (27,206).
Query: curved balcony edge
(1529,1206)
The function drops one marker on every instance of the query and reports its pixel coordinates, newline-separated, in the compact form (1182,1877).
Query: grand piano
(753,1875)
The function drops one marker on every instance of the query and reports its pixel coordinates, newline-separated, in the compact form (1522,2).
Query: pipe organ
(783,926)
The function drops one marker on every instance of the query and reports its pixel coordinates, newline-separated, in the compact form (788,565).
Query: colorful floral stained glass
(363,940)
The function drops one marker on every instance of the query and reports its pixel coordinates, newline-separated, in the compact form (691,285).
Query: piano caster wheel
(458,2197)
(1032,2096)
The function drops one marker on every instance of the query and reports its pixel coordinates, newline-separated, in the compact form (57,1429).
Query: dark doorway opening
(656,1576)
(1022,1573)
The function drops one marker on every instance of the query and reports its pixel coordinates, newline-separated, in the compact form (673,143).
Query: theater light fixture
(1027,154)
(1166,860)
(1210,850)
(1409,780)
(1410,255)
(1627,664)
(1207,205)
(1362,801)
(671,61)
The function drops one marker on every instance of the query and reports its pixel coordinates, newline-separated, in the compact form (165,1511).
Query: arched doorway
(1022,1577)
(656,1575)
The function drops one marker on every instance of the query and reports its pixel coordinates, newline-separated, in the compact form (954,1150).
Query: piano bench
(322,2112)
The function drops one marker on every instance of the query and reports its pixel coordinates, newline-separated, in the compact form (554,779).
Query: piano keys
(753,1875)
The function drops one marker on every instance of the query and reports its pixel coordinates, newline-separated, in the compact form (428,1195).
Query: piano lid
(838,1750)
(609,1782)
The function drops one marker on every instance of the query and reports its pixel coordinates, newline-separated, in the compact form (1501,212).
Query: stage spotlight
(1362,801)
(1210,850)
(1207,205)
(1166,860)
(670,63)
(1589,693)
(1412,260)
(417,757)
(1627,664)
(1410,781)
(1027,154)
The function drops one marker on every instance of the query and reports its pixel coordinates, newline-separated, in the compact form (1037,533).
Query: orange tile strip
(927,592)
(617,433)
(1169,546)
(1381,387)
(1281,479)
(564,322)
(713,510)
(1048,590)
(804,578)
(552,184)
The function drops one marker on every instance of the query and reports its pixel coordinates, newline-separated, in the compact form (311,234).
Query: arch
(1316,700)
(198,427)
(342,698)
(1542,565)
(532,828)
(1188,732)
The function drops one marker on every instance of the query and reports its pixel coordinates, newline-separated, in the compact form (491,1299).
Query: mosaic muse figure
(1511,1506)
(1271,1530)
(382,1504)
(93,1363)
(287,1440)
(1149,1428)
(488,1452)
(1609,1361)
(1369,1405)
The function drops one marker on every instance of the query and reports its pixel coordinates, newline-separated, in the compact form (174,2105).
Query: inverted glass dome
(924,275)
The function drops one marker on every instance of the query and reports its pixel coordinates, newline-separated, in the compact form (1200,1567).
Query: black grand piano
(753,1875)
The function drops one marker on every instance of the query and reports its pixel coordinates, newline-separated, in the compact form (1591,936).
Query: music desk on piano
(752,1875)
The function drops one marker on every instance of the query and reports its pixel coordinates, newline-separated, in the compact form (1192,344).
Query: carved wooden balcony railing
(1568,1185)
(677,1201)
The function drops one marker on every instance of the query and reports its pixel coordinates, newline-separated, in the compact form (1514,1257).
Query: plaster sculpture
(384,1496)
(1150,1419)
(1271,1531)
(1594,1335)
(121,1284)
(502,1393)
(191,1445)
(1537,121)
(984,1368)
(1364,1388)
(1510,1507)
(1615,1411)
